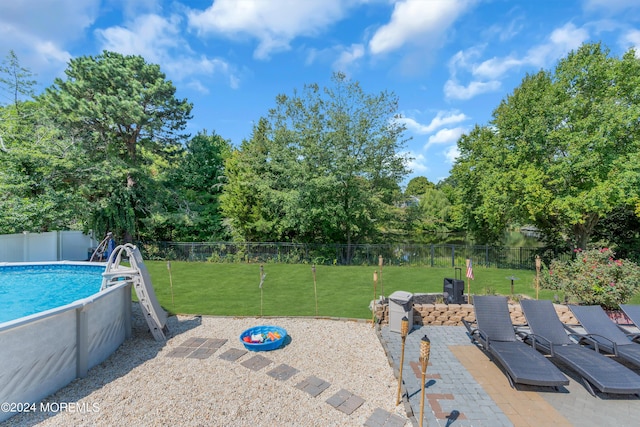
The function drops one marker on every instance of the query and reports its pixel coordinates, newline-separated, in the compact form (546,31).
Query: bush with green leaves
(594,277)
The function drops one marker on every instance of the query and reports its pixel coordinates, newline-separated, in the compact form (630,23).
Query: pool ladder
(136,273)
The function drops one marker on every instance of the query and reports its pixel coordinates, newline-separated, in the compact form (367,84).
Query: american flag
(469,269)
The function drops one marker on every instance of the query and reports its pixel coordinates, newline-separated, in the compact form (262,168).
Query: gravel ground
(140,386)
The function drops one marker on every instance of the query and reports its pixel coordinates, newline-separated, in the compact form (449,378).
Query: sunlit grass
(232,289)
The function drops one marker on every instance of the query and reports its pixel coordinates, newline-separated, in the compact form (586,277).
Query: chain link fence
(342,254)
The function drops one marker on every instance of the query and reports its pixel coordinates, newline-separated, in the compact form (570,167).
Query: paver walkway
(343,400)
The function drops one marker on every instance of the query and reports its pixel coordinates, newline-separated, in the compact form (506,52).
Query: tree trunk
(582,232)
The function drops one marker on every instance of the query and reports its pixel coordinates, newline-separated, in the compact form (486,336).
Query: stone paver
(180,352)
(215,343)
(345,401)
(233,354)
(201,353)
(194,342)
(197,348)
(256,363)
(382,418)
(282,372)
(313,385)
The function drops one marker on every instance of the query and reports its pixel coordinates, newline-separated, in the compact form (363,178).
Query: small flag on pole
(262,276)
(469,269)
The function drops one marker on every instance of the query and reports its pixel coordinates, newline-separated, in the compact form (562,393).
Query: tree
(17,83)
(558,152)
(117,106)
(620,229)
(250,197)
(328,164)
(15,80)
(38,179)
(198,181)
(418,186)
(37,164)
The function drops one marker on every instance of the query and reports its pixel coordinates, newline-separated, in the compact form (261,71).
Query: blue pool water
(26,290)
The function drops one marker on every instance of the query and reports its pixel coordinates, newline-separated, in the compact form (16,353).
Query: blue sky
(449,61)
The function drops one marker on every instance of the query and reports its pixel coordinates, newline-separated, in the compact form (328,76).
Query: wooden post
(261,282)
(468,282)
(315,290)
(373,308)
(538,266)
(380,262)
(173,305)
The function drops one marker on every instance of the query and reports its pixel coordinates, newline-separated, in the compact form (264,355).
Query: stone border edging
(452,314)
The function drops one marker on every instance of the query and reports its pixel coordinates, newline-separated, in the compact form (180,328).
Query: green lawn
(232,289)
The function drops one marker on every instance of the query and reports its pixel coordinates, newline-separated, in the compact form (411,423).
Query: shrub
(594,277)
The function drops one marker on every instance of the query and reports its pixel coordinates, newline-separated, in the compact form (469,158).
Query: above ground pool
(30,289)
(55,325)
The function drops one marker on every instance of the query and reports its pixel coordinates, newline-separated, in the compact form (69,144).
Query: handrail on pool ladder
(138,274)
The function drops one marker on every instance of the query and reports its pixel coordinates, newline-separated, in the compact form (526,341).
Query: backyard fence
(67,245)
(342,254)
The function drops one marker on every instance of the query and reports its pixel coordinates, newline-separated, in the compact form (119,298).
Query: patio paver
(313,385)
(345,401)
(256,363)
(382,418)
(232,354)
(282,372)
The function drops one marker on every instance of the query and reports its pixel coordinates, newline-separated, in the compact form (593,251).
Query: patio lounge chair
(496,334)
(605,334)
(549,335)
(632,312)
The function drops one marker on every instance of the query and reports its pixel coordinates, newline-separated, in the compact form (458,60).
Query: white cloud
(52,52)
(632,40)
(55,21)
(416,20)
(506,32)
(348,57)
(452,153)
(445,136)
(486,74)
(198,86)
(495,67)
(454,90)
(150,36)
(274,23)
(561,41)
(38,31)
(158,40)
(465,59)
(417,164)
(442,118)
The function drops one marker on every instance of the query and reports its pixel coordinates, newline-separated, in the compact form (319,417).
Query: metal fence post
(453,255)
